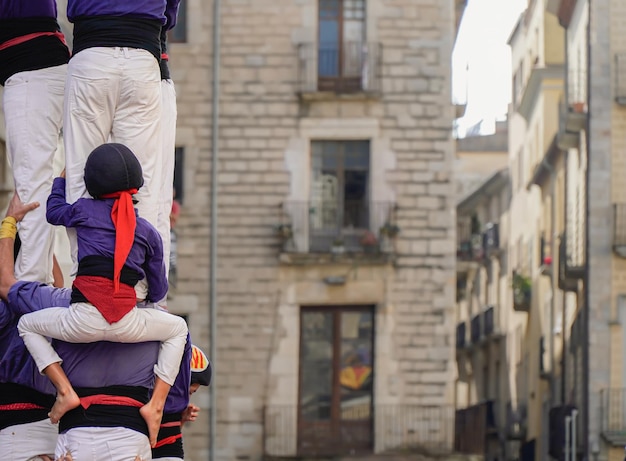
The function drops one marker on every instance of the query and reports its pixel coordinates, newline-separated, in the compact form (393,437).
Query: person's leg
(25,441)
(168,130)
(148,324)
(137,124)
(33,107)
(103,444)
(80,323)
(91,93)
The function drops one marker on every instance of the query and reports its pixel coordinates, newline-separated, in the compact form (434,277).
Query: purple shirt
(96,236)
(178,398)
(11,9)
(145,9)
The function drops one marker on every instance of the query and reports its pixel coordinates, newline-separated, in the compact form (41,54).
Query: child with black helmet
(116,249)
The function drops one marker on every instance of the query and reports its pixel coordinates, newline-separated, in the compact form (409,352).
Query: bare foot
(65,402)
(152,415)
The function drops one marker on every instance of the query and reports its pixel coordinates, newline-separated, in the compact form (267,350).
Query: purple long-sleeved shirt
(96,236)
(14,9)
(161,10)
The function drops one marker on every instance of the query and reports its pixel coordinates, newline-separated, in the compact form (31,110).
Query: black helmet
(110,168)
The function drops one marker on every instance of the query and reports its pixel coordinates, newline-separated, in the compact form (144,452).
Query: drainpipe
(565,202)
(213,236)
(553,250)
(586,278)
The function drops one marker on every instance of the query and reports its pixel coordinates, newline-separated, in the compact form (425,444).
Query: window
(340,191)
(179,33)
(336,380)
(342,50)
(179,163)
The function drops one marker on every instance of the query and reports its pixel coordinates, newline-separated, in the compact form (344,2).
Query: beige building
(336,261)
(335,293)
(484,399)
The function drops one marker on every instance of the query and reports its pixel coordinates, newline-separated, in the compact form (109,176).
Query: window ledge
(305,259)
(313,96)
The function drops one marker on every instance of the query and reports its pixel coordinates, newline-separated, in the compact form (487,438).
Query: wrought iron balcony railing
(472,424)
(577,89)
(620,78)
(349,67)
(461,335)
(335,227)
(476,331)
(387,428)
(613,410)
(619,229)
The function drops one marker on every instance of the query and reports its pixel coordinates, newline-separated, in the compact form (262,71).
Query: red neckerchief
(125,222)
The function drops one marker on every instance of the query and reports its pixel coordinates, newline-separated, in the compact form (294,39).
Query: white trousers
(103,444)
(169,458)
(113,95)
(82,323)
(168,130)
(28,441)
(33,109)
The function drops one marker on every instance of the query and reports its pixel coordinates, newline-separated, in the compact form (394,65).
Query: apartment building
(483,396)
(517,402)
(335,293)
(566,240)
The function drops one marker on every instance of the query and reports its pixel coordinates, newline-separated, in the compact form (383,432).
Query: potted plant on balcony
(387,232)
(522,289)
(284,231)
(369,242)
(338,246)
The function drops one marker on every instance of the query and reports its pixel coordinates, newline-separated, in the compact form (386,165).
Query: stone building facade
(334,334)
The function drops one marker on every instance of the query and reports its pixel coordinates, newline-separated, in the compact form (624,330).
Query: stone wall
(265,131)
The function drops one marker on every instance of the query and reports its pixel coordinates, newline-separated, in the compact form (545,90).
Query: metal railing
(472,424)
(461,335)
(389,428)
(577,87)
(348,67)
(332,226)
(489,321)
(620,78)
(476,329)
(613,402)
(619,225)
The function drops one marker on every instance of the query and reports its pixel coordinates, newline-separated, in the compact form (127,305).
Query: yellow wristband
(8,228)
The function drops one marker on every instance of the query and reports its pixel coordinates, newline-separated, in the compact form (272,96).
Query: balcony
(476,332)
(613,410)
(461,335)
(619,229)
(566,281)
(489,322)
(358,230)
(491,240)
(566,138)
(576,118)
(516,420)
(384,428)
(472,427)
(522,293)
(560,428)
(620,79)
(330,69)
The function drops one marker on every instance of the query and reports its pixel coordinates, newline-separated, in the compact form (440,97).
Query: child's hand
(62,174)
